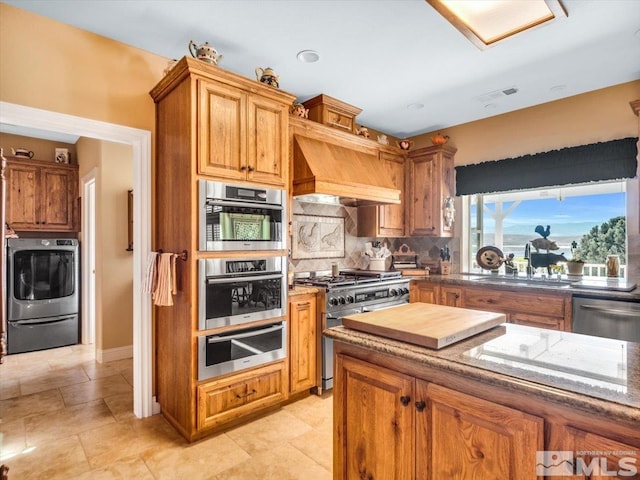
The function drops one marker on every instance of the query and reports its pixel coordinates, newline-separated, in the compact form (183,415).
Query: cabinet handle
(420,406)
(243,168)
(404,400)
(250,168)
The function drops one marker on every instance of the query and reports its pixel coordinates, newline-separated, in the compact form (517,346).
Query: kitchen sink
(524,282)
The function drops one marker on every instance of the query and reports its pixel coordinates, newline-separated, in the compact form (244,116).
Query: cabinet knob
(243,168)
(250,168)
(421,405)
(405,399)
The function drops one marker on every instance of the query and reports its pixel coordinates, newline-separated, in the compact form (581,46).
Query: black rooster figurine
(544,233)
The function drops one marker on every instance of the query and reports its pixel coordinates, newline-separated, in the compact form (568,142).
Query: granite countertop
(594,374)
(304,290)
(550,285)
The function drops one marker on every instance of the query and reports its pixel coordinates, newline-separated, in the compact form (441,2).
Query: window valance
(612,160)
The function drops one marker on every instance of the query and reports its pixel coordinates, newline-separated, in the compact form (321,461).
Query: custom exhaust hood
(354,177)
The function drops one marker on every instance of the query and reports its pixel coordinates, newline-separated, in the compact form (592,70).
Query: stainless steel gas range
(354,291)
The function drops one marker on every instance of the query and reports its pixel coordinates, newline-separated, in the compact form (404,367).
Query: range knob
(333,301)
(341,300)
(393,292)
(350,299)
(405,291)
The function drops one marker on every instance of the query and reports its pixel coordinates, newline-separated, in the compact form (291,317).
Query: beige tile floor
(65,416)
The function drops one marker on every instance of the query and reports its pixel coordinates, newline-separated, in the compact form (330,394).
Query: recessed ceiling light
(308,56)
(558,88)
(415,106)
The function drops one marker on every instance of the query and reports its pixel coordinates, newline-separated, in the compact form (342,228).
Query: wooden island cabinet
(404,412)
(41,195)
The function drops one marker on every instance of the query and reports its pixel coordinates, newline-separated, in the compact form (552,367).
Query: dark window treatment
(612,160)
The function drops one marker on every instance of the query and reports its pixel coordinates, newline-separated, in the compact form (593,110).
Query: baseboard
(118,353)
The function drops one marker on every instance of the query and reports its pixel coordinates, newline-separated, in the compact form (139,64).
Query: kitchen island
(484,407)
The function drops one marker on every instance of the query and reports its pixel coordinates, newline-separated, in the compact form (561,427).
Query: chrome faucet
(527,256)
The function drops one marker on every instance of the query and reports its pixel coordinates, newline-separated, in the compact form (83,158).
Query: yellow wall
(49,65)
(592,117)
(42,149)
(114,265)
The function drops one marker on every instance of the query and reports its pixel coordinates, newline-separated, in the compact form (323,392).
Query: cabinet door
(302,341)
(461,436)
(235,396)
(616,460)
(424,192)
(392,216)
(268,123)
(23,182)
(425,292)
(221,131)
(373,422)
(451,296)
(58,201)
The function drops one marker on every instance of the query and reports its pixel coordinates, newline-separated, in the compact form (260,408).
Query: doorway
(144,403)
(89,258)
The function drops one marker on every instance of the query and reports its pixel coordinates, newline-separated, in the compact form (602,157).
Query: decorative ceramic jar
(382,139)
(298,110)
(268,76)
(363,132)
(439,139)
(22,152)
(404,144)
(205,52)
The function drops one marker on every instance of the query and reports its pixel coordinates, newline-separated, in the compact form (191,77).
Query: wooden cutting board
(425,324)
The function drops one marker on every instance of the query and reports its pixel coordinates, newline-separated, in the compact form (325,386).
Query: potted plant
(576,264)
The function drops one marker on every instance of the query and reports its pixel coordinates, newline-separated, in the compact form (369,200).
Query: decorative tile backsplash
(427,248)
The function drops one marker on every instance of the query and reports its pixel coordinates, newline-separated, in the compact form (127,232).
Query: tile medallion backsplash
(427,248)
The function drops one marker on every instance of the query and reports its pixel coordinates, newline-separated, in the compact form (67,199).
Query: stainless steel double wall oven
(241,298)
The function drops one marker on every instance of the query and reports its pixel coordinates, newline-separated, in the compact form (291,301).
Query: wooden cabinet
(524,308)
(333,112)
(598,457)
(462,436)
(451,296)
(424,292)
(302,342)
(386,220)
(241,135)
(394,426)
(235,396)
(214,124)
(431,183)
(373,422)
(530,308)
(41,196)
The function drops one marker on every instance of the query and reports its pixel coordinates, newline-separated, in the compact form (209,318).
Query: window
(508,221)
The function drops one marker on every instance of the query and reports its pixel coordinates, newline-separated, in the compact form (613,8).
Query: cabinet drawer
(237,395)
(539,321)
(505,302)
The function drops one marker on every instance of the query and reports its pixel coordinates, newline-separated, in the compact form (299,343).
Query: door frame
(144,403)
(88,248)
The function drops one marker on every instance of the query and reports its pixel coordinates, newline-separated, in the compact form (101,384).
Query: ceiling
(381,55)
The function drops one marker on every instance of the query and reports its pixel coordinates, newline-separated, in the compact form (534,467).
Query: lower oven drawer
(236,350)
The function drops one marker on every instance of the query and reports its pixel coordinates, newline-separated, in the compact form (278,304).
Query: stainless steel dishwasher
(618,319)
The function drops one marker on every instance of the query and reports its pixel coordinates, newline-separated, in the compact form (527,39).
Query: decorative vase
(439,139)
(575,268)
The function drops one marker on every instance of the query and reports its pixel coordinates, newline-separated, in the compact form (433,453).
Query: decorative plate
(490,258)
